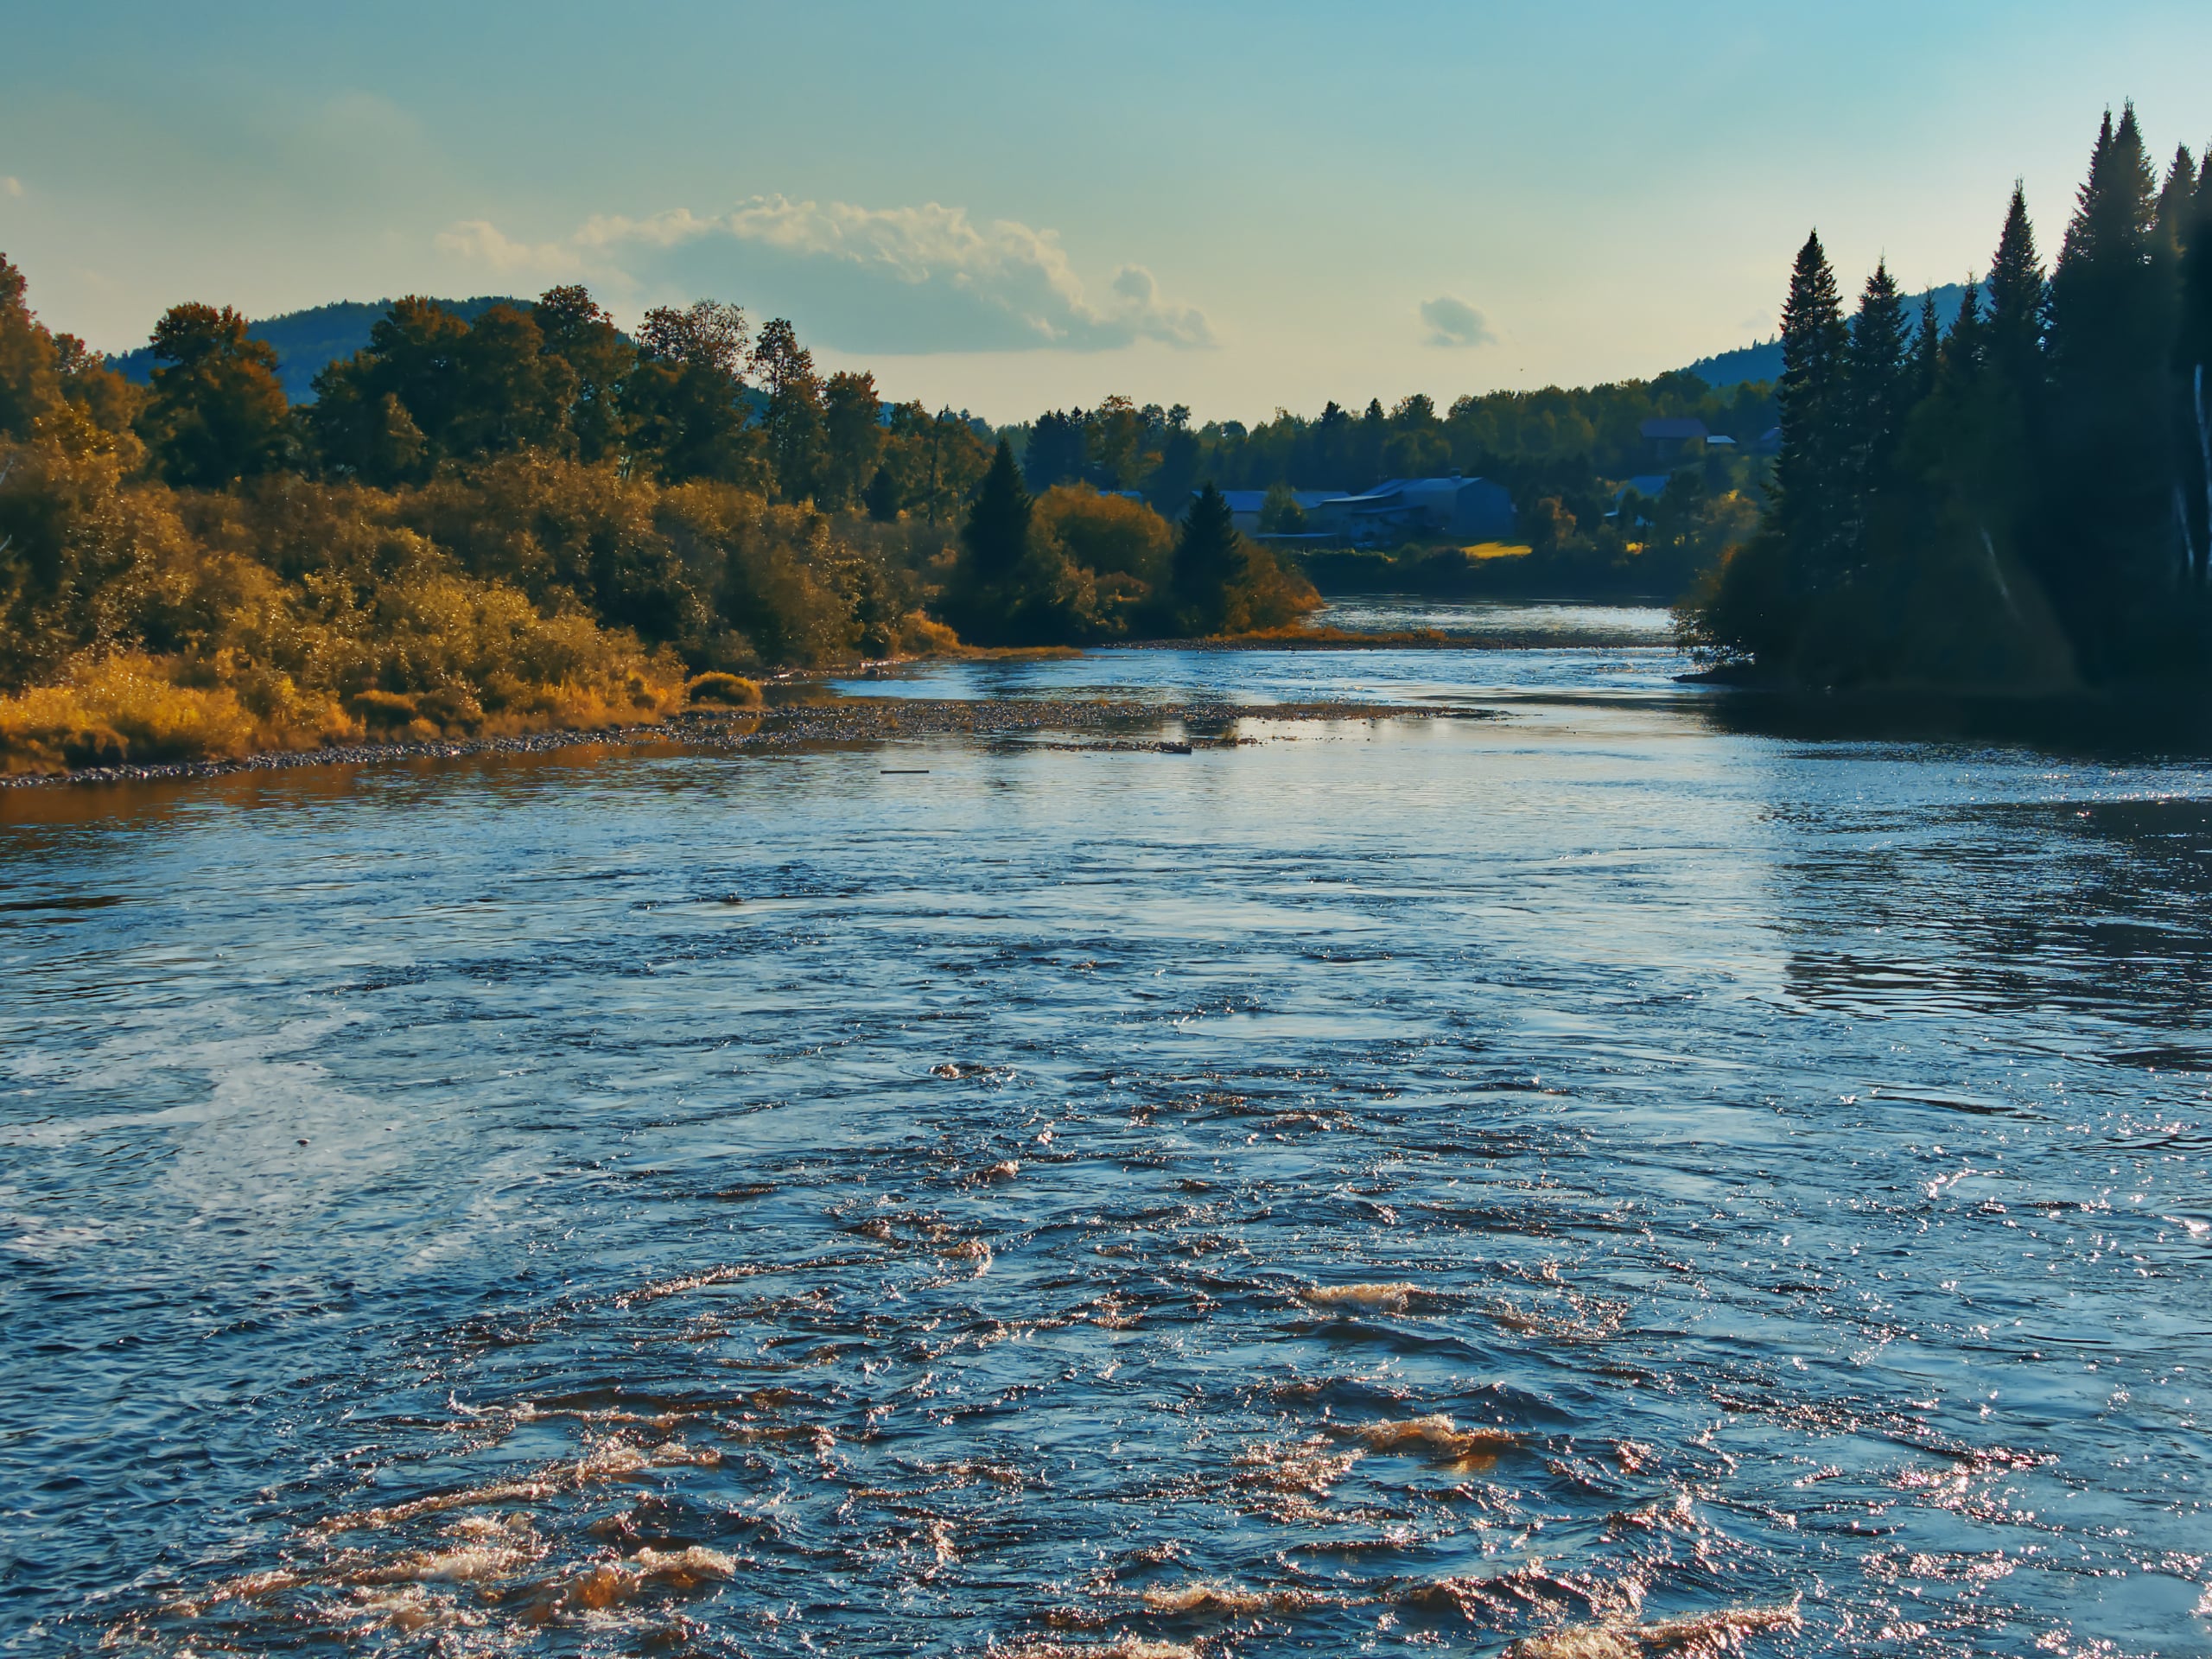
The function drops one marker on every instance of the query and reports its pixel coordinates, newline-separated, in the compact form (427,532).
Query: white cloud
(1454,324)
(900,279)
(480,242)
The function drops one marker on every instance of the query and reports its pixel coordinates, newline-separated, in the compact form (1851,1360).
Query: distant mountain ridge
(1763,361)
(308,341)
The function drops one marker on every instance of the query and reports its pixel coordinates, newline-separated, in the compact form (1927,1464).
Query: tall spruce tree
(2107,523)
(1208,561)
(1013,586)
(2177,204)
(2169,246)
(1927,350)
(2018,303)
(1966,348)
(2192,362)
(996,534)
(2068,424)
(1812,472)
(1878,366)
(882,499)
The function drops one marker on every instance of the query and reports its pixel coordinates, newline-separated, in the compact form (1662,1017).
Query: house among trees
(1396,510)
(1646,487)
(1671,438)
(1246,507)
(1471,509)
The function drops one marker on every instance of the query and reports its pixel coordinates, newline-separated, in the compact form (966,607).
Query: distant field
(1496,550)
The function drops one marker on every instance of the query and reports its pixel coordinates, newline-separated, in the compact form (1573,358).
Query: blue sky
(1234,206)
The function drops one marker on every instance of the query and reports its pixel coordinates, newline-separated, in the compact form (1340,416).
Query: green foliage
(582,337)
(796,418)
(1011,586)
(217,413)
(308,342)
(852,439)
(1280,513)
(29,387)
(430,387)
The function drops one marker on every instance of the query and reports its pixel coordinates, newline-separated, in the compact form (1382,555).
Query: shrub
(121,710)
(382,712)
(726,689)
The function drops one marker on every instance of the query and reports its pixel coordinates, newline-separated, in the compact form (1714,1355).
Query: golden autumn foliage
(152,625)
(198,570)
(717,689)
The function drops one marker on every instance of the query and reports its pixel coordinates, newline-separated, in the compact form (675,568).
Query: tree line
(1562,453)
(526,518)
(2021,500)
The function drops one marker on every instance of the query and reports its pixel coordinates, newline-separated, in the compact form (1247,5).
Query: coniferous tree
(2193,373)
(1878,364)
(1369,438)
(1014,586)
(1058,448)
(1811,475)
(2107,520)
(1966,348)
(997,531)
(2018,299)
(1927,350)
(1208,561)
(1180,454)
(882,500)
(2050,516)
(2169,244)
(2177,204)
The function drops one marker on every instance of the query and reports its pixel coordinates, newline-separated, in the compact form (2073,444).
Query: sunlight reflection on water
(1403,1181)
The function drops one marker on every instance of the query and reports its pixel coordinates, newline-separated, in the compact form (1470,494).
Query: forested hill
(308,341)
(1764,361)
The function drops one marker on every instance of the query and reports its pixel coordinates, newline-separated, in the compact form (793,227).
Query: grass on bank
(135,709)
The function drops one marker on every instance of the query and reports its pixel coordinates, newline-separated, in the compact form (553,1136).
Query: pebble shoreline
(854,720)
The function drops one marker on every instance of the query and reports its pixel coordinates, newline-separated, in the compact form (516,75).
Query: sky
(1233,205)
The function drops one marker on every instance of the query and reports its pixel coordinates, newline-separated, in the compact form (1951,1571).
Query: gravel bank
(1110,722)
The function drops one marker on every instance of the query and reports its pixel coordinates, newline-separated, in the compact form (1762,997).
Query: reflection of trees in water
(2098,909)
(2103,731)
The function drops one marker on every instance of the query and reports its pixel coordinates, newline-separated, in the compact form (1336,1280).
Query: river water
(1558,1160)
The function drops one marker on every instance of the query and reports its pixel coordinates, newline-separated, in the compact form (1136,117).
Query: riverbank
(1323,638)
(1114,722)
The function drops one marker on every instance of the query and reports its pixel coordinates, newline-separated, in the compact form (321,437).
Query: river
(1554,1158)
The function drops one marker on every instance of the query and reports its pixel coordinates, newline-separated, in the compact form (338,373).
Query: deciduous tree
(218,412)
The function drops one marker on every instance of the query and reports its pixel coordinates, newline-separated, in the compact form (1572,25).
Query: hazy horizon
(1017,208)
